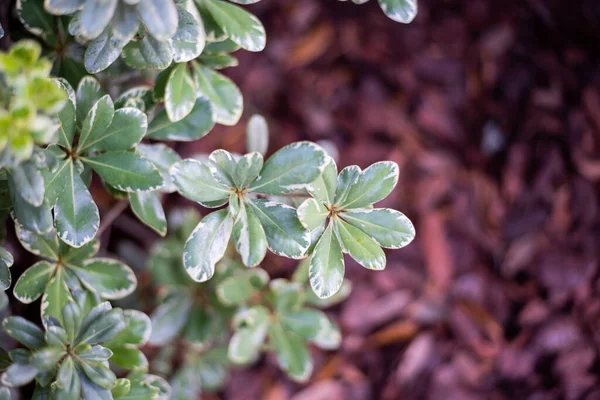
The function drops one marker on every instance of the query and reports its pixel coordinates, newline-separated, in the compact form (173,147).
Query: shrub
(59,126)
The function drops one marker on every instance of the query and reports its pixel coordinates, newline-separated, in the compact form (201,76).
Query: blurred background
(492,110)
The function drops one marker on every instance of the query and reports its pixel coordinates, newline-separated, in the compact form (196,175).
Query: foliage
(217,304)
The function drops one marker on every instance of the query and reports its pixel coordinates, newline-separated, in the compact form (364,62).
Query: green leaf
(45,245)
(326,271)
(90,390)
(137,332)
(242,27)
(121,388)
(29,183)
(128,358)
(19,374)
(389,228)
(37,21)
(159,17)
(75,213)
(360,246)
(292,354)
(374,184)
(33,282)
(286,296)
(323,188)
(109,278)
(197,124)
(71,318)
(246,342)
(67,117)
(169,318)
(247,169)
(96,122)
(306,322)
(403,11)
(24,332)
(103,51)
(237,289)
(128,127)
(69,255)
(126,171)
(88,93)
(157,53)
(222,166)
(101,325)
(95,16)
(329,336)
(68,380)
(285,235)
(224,95)
(249,236)
(290,169)
(98,373)
(257,134)
(47,357)
(163,158)
(36,219)
(5,281)
(55,297)
(203,326)
(206,245)
(195,181)
(96,353)
(312,214)
(180,93)
(147,207)
(345,180)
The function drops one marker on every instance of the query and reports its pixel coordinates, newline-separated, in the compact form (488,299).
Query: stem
(112,215)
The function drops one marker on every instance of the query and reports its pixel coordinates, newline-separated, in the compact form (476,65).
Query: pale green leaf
(285,234)
(247,169)
(128,127)
(361,247)
(163,158)
(347,177)
(224,95)
(207,244)
(257,134)
(45,245)
(159,17)
(125,171)
(292,354)
(326,271)
(249,236)
(374,184)
(195,181)
(242,27)
(323,188)
(148,208)
(75,213)
(403,11)
(29,182)
(389,228)
(312,214)
(55,297)
(246,342)
(96,122)
(180,93)
(197,124)
(32,283)
(109,278)
(290,169)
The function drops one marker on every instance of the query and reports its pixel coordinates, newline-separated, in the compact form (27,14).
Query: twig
(111,215)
